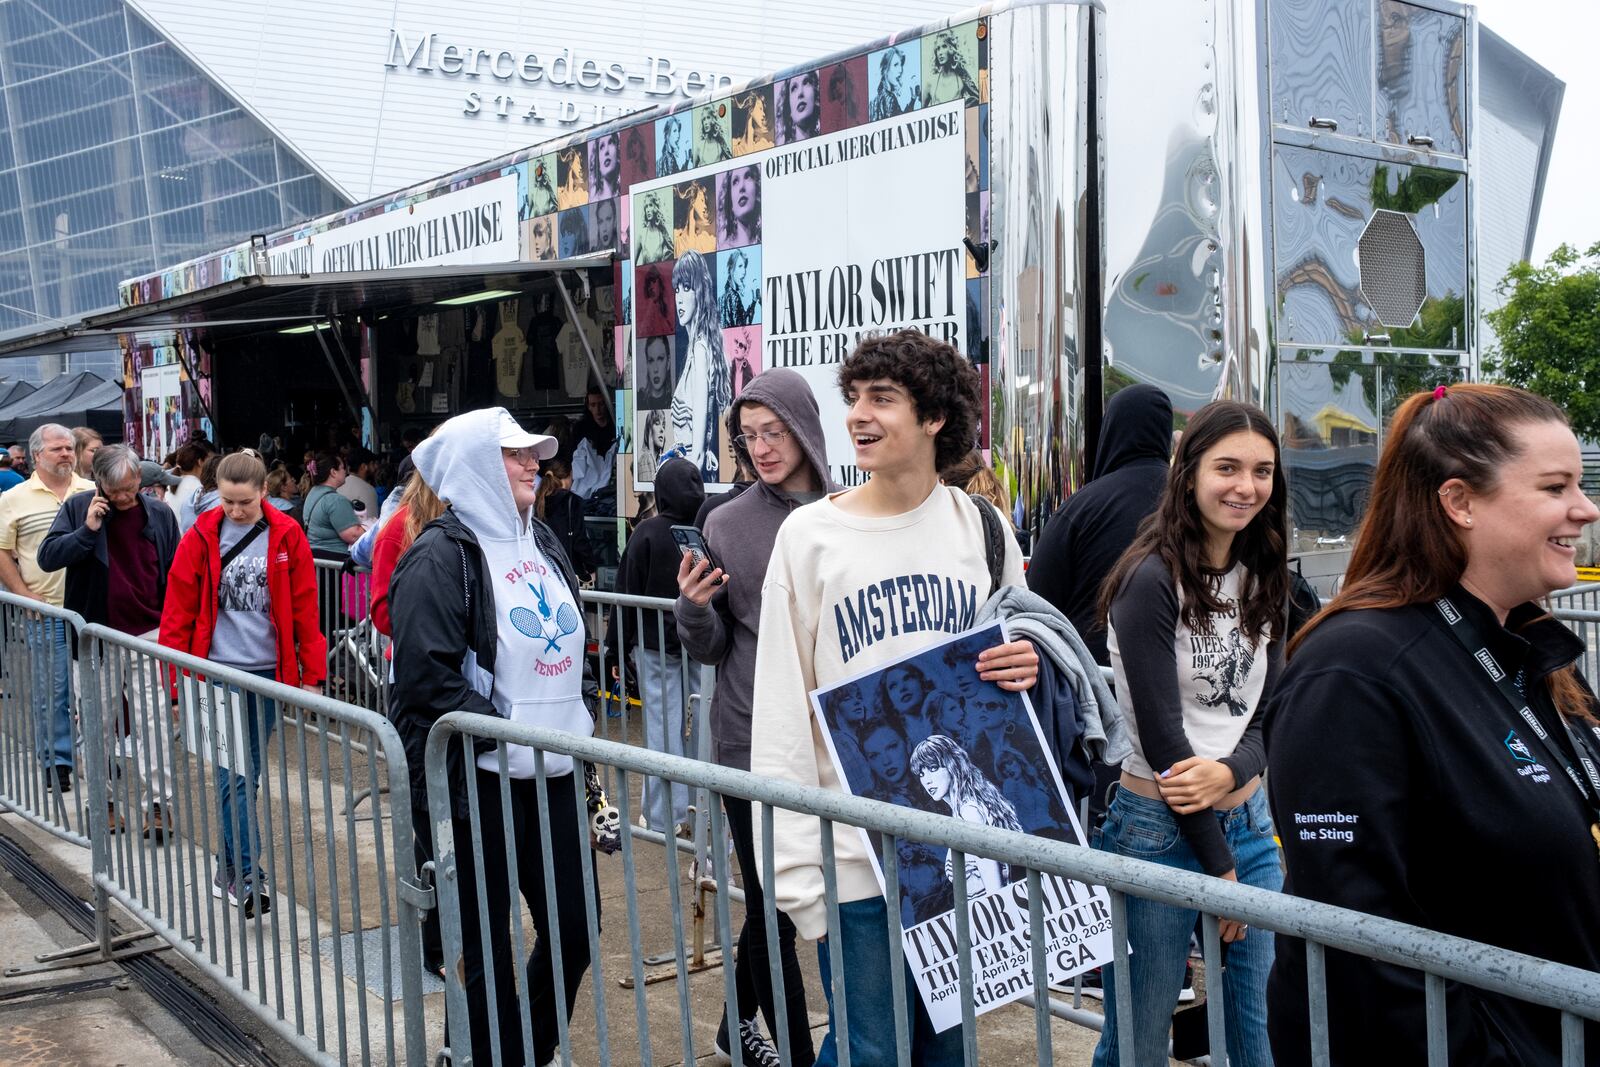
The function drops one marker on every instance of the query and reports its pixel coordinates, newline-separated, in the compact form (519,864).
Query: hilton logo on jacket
(909,603)
(1489,664)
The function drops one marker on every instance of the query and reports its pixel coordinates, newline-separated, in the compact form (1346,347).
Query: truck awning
(256,303)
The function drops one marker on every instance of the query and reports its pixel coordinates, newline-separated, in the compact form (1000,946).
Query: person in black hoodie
(1431,744)
(1084,540)
(649,567)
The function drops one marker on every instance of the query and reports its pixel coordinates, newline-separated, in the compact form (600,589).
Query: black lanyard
(1465,631)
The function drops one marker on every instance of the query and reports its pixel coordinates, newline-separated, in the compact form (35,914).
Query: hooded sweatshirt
(538,661)
(649,564)
(740,535)
(1084,540)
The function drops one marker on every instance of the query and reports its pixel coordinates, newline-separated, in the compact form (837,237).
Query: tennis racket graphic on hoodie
(541,625)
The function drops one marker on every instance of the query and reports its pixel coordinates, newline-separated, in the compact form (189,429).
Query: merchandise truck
(1275,200)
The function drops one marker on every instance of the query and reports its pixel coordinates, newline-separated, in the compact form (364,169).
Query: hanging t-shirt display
(543,329)
(575,371)
(428,335)
(509,346)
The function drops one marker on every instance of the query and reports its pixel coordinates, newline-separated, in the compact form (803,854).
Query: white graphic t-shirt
(244,636)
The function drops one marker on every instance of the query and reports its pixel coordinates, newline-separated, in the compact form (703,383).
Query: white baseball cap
(512,435)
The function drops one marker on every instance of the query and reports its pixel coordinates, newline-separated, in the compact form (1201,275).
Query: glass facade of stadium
(119,155)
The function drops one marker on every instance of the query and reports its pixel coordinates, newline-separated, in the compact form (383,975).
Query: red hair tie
(1438,394)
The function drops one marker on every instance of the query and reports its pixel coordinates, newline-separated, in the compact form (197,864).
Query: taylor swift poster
(653,299)
(674,143)
(799,105)
(541,194)
(750,123)
(739,286)
(572,170)
(694,217)
(712,141)
(653,240)
(844,94)
(950,66)
(926,732)
(605,167)
(894,80)
(638,154)
(739,206)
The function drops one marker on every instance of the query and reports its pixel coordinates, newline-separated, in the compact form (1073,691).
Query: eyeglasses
(525,456)
(770,438)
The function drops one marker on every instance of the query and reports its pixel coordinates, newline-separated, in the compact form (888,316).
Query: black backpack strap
(994,545)
(243,543)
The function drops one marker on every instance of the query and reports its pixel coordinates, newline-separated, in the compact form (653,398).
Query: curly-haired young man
(858,580)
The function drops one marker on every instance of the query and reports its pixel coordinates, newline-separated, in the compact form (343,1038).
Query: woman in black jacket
(487,559)
(1421,738)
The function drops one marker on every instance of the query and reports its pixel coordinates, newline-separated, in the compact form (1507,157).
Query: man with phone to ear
(776,429)
(116,545)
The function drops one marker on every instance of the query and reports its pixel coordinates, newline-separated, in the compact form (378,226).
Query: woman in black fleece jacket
(1420,738)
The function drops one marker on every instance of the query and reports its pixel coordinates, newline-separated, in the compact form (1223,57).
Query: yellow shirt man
(26,512)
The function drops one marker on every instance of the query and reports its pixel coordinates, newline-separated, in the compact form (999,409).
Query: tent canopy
(82,399)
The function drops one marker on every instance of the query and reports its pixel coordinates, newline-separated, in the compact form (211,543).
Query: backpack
(1304,601)
(994,541)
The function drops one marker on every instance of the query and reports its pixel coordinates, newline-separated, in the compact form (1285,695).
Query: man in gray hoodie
(776,428)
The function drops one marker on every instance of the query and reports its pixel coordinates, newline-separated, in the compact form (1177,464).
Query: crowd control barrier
(38,717)
(185,843)
(1574,993)
(358,670)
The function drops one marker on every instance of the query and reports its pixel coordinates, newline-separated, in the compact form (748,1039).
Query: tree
(1549,331)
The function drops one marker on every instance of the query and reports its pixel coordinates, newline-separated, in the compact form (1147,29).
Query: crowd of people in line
(1422,748)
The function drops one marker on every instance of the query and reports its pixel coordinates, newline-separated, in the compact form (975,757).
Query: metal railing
(1574,993)
(38,721)
(358,669)
(220,817)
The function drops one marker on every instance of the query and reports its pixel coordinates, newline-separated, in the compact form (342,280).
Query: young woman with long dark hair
(1195,617)
(1432,744)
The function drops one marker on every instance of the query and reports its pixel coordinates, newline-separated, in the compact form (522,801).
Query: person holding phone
(243,592)
(116,545)
(776,431)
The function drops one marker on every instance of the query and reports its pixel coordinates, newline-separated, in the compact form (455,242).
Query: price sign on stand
(212,719)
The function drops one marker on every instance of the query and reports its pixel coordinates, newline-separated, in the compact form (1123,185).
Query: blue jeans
(661,691)
(51,662)
(1158,935)
(236,797)
(869,997)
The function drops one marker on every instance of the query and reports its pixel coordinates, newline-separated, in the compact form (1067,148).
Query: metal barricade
(221,816)
(358,669)
(1585,596)
(491,855)
(659,699)
(38,721)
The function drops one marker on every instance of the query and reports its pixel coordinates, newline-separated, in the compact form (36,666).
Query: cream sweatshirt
(844,594)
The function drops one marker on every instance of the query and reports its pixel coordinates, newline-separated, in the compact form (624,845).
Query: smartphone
(689,538)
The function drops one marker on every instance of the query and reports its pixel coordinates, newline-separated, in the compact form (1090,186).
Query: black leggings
(752,970)
(567,851)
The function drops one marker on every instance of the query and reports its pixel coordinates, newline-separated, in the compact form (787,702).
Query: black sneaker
(63,778)
(241,892)
(755,1050)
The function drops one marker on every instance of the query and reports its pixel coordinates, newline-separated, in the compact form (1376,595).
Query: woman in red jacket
(243,592)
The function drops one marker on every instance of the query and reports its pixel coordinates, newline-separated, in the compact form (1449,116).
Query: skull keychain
(605,822)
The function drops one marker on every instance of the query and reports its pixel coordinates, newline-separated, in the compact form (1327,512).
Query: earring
(1469,522)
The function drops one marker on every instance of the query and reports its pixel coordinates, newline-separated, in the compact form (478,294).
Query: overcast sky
(1560,35)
